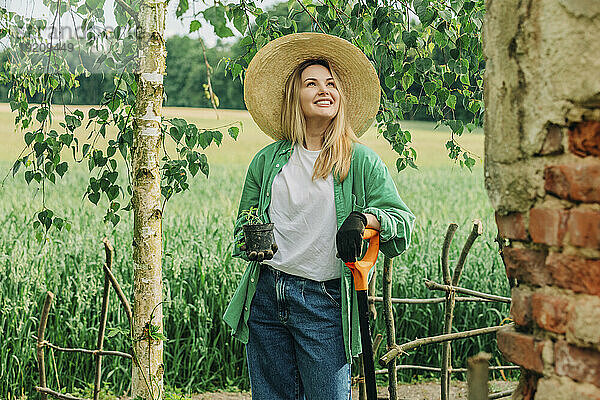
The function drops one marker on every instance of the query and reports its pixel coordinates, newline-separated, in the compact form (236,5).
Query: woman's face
(319,98)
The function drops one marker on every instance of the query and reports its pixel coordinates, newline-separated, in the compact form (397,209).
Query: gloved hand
(349,237)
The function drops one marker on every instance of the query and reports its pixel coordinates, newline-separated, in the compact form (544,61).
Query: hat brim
(273,64)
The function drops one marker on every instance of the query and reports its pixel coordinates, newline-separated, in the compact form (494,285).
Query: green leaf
(410,38)
(223,31)
(112,192)
(176,133)
(240,20)
(94,197)
(451,101)
(41,114)
(390,82)
(204,164)
(182,7)
(217,136)
(400,164)
(233,132)
(62,168)
(16,167)
(407,80)
(456,126)
(29,136)
(195,25)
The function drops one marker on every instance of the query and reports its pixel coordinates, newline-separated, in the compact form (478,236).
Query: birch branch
(394,352)
(475,233)
(437,369)
(40,340)
(45,391)
(85,351)
(445,249)
(427,301)
(120,294)
(436,286)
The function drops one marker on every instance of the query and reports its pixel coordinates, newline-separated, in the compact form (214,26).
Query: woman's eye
(310,84)
(331,84)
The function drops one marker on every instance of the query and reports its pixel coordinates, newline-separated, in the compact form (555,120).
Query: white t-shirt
(303,213)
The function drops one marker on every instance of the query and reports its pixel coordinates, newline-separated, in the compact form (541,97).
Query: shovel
(360,272)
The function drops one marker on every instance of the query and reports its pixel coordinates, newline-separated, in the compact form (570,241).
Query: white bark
(147,371)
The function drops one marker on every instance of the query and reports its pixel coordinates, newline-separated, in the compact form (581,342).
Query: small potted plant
(259,242)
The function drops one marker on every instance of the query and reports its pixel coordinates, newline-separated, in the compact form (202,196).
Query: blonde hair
(336,152)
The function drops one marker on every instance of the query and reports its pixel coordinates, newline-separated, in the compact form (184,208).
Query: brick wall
(542,174)
(553,254)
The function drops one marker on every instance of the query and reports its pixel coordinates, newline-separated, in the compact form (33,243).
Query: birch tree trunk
(147,371)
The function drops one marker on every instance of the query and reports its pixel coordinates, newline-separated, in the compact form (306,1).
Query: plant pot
(259,238)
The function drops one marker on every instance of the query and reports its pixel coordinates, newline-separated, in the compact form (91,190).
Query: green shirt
(368,188)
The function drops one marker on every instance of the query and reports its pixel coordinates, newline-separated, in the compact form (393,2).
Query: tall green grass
(200,276)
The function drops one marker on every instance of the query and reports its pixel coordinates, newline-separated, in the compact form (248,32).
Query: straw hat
(273,64)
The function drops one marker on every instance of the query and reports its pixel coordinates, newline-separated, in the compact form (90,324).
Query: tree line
(186,77)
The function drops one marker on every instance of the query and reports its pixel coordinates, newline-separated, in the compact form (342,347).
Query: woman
(297,312)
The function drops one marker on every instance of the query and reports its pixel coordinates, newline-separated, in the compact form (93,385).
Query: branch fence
(451,288)
(388,359)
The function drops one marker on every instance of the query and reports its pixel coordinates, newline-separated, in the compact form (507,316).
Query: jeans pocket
(332,290)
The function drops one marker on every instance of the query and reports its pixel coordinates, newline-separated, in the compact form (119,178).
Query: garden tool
(360,272)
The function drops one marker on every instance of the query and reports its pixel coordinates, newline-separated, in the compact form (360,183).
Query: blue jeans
(296,350)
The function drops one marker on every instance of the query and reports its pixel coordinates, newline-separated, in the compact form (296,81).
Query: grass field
(199,274)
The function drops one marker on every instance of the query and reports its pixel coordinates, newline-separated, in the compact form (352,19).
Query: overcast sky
(173,26)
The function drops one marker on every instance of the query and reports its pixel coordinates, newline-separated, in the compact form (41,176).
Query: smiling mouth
(324,103)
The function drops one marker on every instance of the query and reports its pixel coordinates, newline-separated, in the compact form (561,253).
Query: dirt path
(421,391)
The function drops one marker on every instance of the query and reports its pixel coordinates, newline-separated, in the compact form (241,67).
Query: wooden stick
(44,391)
(393,353)
(437,369)
(475,232)
(445,249)
(390,329)
(120,294)
(499,395)
(449,303)
(436,286)
(108,249)
(377,342)
(40,340)
(376,299)
(477,376)
(447,346)
(85,351)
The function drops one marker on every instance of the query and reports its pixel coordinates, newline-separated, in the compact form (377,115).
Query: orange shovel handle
(360,269)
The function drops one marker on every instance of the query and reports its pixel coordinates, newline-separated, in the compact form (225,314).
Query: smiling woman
(296,309)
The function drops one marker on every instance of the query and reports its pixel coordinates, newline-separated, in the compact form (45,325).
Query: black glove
(349,237)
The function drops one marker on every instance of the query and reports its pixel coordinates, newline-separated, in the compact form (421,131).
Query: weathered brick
(520,307)
(551,311)
(563,388)
(553,141)
(527,386)
(511,226)
(584,228)
(548,225)
(521,349)
(574,273)
(577,181)
(584,138)
(584,323)
(577,363)
(527,266)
